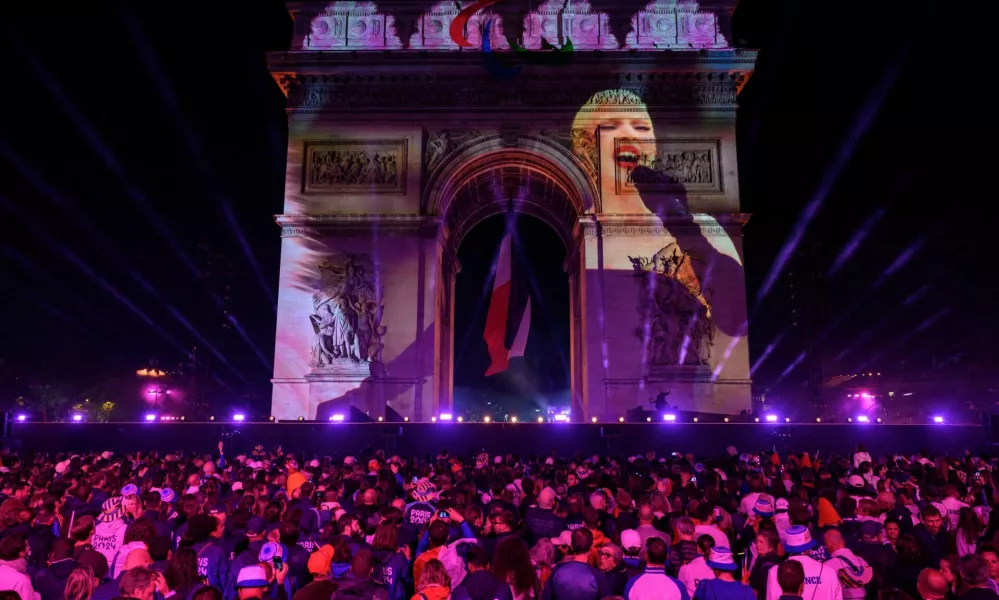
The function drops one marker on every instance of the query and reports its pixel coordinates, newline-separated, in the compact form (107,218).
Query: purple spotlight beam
(855,133)
(855,241)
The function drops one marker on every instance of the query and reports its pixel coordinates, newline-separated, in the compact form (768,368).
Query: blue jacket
(246,558)
(481,585)
(392,571)
(213,562)
(576,581)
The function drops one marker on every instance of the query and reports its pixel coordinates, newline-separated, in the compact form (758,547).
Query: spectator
(14,567)
(653,582)
(791,579)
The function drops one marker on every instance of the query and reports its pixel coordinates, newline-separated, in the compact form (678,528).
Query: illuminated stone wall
(395,152)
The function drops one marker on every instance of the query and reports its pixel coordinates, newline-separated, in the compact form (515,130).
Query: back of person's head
(582,541)
(12,546)
(183,568)
(685,525)
(705,512)
(200,527)
(83,528)
(909,548)
(207,593)
(81,584)
(438,533)
(289,531)
(645,513)
(386,537)
(705,543)
(477,557)
(159,548)
(362,563)
(791,577)
(656,551)
(134,580)
(151,500)
(138,557)
(974,570)
(434,573)
(62,549)
(932,584)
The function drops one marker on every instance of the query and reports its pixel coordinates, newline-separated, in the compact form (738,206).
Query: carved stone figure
(664,167)
(347,313)
(672,303)
(444,142)
(352,167)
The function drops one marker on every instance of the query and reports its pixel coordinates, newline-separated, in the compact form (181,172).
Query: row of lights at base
(447,417)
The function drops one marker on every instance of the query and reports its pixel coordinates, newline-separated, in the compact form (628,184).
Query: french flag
(509,317)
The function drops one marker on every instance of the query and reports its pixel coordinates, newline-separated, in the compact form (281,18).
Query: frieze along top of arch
(422,25)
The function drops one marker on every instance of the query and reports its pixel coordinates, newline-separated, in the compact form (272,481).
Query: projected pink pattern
(353,26)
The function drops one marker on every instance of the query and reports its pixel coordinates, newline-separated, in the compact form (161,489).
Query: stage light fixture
(460,419)
(818,419)
(878,420)
(648,419)
(756,420)
(669,418)
(337,418)
(863,419)
(380,419)
(211,418)
(849,419)
(183,418)
(593,419)
(446,416)
(150,417)
(938,420)
(433,419)
(771,418)
(486,419)
(513,419)
(271,418)
(77,418)
(301,418)
(406,419)
(726,419)
(787,419)
(695,419)
(541,419)
(239,418)
(565,419)
(22,418)
(620,419)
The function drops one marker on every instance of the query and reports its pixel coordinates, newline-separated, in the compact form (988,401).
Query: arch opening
(542,201)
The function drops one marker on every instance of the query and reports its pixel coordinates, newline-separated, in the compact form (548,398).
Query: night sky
(143,141)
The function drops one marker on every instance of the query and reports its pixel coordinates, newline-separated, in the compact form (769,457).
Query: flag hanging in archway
(509,317)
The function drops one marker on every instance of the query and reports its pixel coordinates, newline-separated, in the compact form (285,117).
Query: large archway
(540,379)
(527,175)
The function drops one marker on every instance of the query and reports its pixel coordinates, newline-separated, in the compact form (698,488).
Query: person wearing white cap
(821,581)
(723,586)
(109,535)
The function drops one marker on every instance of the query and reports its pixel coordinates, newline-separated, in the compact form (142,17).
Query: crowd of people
(278,525)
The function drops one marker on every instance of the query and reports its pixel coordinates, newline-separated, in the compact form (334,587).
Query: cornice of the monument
(408,26)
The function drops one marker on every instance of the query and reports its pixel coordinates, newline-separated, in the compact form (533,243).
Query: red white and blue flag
(509,318)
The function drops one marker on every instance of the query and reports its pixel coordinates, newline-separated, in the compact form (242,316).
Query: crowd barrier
(332,439)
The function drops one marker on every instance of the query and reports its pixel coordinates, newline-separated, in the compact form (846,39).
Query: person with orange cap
(321,587)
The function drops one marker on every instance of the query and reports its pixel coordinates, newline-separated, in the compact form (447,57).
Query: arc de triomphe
(624,145)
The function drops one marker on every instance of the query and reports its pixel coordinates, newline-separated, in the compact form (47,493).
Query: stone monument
(402,138)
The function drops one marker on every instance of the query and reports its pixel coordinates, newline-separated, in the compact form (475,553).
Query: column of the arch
(443,393)
(577,382)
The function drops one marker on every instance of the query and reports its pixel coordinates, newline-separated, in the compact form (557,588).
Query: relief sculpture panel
(355,167)
(346,313)
(668,165)
(675,310)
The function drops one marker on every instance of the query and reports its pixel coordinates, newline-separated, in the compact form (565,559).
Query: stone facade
(395,151)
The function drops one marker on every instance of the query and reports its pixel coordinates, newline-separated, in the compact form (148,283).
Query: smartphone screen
(443,515)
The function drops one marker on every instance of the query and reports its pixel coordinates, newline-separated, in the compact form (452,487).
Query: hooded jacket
(50,582)
(14,576)
(481,585)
